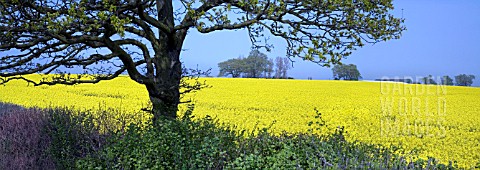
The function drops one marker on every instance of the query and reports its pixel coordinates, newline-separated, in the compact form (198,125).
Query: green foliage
(52,138)
(446,80)
(234,67)
(464,80)
(255,65)
(67,32)
(428,80)
(73,136)
(349,24)
(74,142)
(346,72)
(203,144)
(169,144)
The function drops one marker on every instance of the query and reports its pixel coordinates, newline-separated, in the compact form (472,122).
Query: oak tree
(346,72)
(255,65)
(144,38)
(234,67)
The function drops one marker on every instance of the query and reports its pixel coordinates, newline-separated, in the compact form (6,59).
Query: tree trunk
(164,93)
(165,101)
(164,89)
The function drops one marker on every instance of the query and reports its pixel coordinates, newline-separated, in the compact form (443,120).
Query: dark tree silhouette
(346,72)
(428,80)
(464,80)
(255,65)
(234,67)
(446,80)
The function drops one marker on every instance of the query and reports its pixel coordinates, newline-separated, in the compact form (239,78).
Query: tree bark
(164,91)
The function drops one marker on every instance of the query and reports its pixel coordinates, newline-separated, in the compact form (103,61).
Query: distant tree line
(350,72)
(428,80)
(256,65)
(464,80)
(460,80)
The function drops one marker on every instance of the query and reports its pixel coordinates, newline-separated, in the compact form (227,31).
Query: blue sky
(442,38)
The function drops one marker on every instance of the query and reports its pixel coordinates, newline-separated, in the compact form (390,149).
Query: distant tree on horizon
(256,65)
(464,80)
(346,72)
(446,80)
(428,80)
(269,70)
(233,67)
(282,66)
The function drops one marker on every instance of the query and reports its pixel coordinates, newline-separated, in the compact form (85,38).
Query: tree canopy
(282,65)
(256,65)
(464,80)
(447,80)
(346,72)
(428,80)
(144,38)
(233,67)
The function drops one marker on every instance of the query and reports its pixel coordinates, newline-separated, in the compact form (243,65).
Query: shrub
(169,144)
(49,138)
(23,143)
(204,144)
(63,139)
(73,136)
(6,108)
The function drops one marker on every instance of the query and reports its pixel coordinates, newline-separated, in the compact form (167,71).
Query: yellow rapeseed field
(434,121)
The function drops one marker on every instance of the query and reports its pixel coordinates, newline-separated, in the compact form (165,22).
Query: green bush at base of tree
(71,140)
(204,144)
